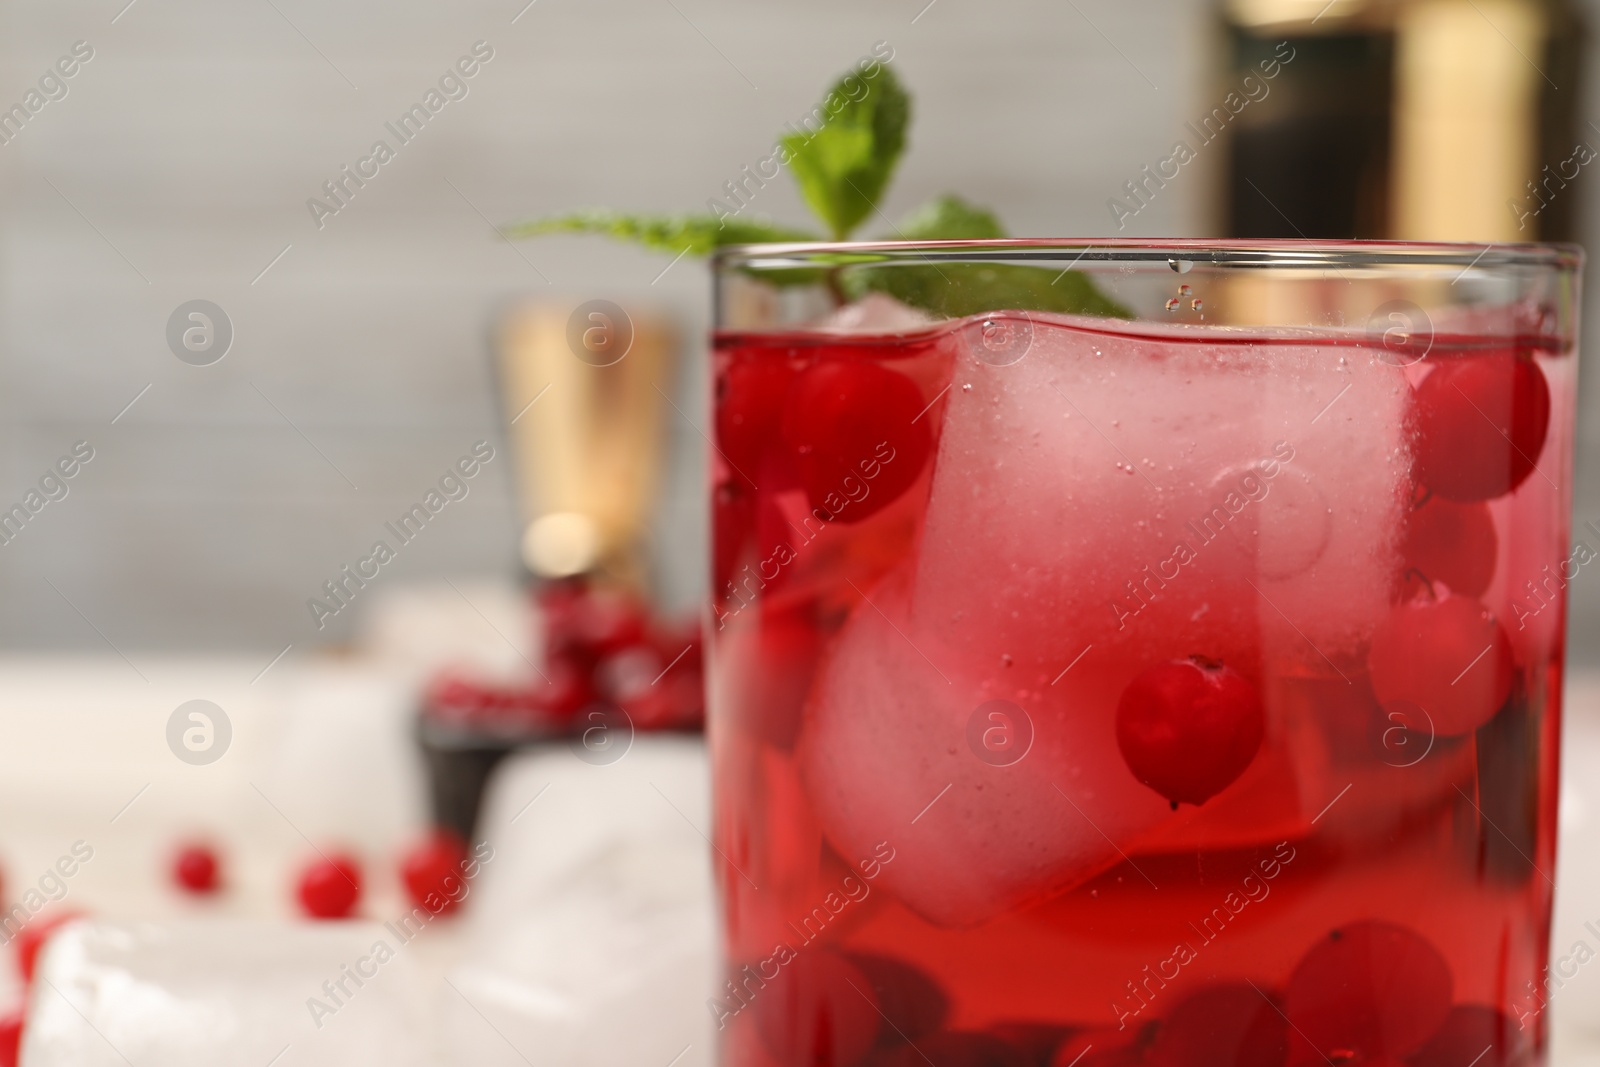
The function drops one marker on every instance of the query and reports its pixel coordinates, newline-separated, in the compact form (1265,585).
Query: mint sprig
(843,167)
(700,235)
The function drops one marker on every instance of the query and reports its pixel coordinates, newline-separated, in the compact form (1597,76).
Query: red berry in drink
(1102,1047)
(35,935)
(1228,1025)
(432,871)
(854,442)
(912,1003)
(1037,1040)
(819,1011)
(750,401)
(1480,425)
(733,514)
(1475,1034)
(1454,544)
(1448,656)
(330,887)
(1188,728)
(1368,990)
(195,869)
(952,1048)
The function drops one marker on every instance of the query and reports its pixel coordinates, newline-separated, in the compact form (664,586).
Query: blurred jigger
(585,409)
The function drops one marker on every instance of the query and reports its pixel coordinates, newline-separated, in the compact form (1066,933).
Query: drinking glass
(1132,653)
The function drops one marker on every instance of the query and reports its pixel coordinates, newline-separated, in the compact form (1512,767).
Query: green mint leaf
(956,290)
(843,166)
(698,234)
(948,218)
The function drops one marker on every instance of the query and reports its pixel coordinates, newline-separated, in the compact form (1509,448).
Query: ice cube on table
(214,993)
(592,934)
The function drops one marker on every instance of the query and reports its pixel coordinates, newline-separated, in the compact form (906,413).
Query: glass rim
(1282,253)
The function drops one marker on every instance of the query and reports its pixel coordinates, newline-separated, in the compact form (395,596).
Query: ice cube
(876,313)
(208,993)
(887,753)
(1156,499)
(592,936)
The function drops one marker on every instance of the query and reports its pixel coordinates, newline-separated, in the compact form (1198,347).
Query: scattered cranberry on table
(10,1039)
(433,871)
(600,646)
(330,888)
(196,869)
(35,935)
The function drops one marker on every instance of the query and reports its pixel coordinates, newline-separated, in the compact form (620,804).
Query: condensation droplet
(1172,305)
(1184,290)
(1182,266)
(1196,304)
(967,388)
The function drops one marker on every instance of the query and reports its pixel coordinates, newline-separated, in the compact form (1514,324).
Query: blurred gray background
(179,164)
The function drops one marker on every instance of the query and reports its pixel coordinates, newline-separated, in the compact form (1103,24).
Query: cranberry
(195,869)
(1188,728)
(10,1039)
(35,935)
(1475,1034)
(1481,423)
(565,689)
(1102,1047)
(771,699)
(1454,544)
(455,697)
(331,887)
(856,446)
(1038,1040)
(818,1012)
(1228,1025)
(432,872)
(952,1048)
(585,620)
(1370,989)
(733,514)
(658,683)
(750,400)
(911,1001)
(1448,656)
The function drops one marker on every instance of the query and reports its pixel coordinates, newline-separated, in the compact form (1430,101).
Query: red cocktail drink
(1112,690)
